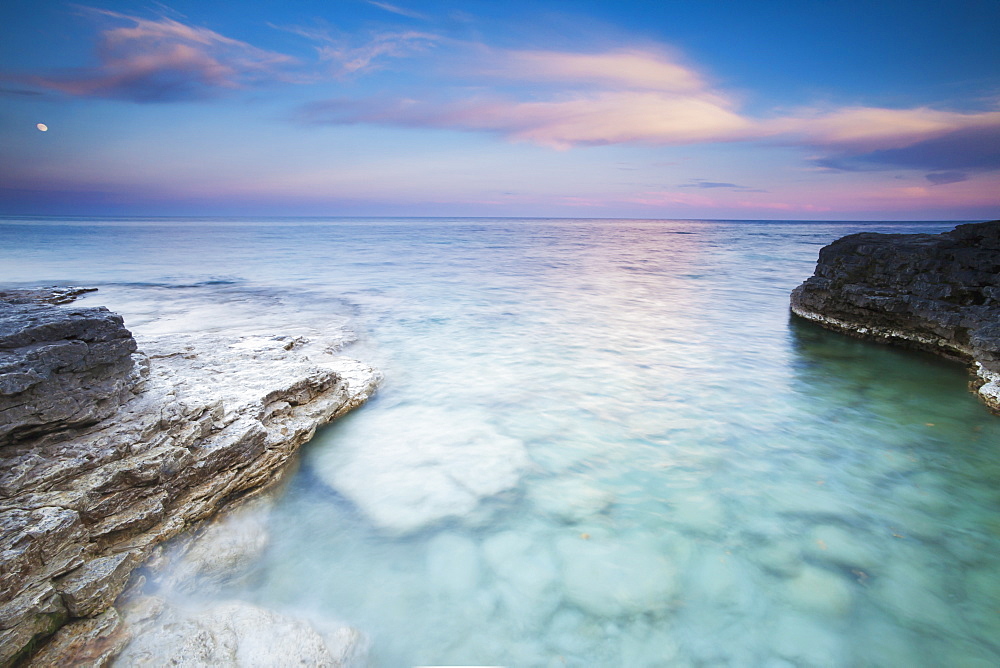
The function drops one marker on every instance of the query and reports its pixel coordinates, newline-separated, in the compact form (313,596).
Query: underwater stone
(527,572)
(838,546)
(569,499)
(239,634)
(699,514)
(418,465)
(620,578)
(807,642)
(781,557)
(819,591)
(453,564)
(908,594)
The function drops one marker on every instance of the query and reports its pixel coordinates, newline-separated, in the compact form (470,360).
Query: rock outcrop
(935,292)
(206,420)
(60,368)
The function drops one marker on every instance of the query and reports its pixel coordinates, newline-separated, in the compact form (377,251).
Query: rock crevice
(935,292)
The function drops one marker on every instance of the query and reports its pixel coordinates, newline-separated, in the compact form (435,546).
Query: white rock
(911,594)
(715,580)
(780,557)
(622,577)
(648,648)
(453,564)
(699,513)
(804,499)
(570,632)
(807,643)
(527,575)
(409,467)
(569,499)
(918,524)
(882,642)
(240,635)
(819,591)
(836,545)
(923,491)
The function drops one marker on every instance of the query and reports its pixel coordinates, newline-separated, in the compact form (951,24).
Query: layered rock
(935,292)
(60,367)
(209,419)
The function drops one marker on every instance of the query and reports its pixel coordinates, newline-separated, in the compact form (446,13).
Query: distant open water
(684,475)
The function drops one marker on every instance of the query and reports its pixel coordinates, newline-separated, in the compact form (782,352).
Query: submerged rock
(570,499)
(935,292)
(214,419)
(620,578)
(240,635)
(417,466)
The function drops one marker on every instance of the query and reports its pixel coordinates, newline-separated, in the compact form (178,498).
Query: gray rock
(936,292)
(87,642)
(61,367)
(215,421)
(95,585)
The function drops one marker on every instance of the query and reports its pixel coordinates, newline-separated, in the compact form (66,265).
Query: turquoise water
(599,443)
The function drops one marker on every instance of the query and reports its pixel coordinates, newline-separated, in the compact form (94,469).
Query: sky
(806,110)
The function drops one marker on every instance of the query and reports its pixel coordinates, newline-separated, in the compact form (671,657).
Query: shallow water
(599,443)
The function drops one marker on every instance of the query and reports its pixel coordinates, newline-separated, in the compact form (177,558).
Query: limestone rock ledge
(934,292)
(207,419)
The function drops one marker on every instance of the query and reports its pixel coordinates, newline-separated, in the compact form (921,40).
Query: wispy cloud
(944,178)
(18,91)
(357,54)
(395,9)
(647,96)
(602,118)
(701,183)
(592,99)
(627,69)
(351,59)
(163,60)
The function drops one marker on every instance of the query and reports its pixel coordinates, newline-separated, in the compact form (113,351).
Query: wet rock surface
(935,292)
(208,419)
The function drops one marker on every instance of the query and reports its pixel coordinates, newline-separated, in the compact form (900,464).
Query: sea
(598,442)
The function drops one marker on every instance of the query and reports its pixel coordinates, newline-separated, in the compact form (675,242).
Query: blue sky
(710,109)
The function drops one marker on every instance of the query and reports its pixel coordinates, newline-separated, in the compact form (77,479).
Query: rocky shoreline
(933,292)
(110,448)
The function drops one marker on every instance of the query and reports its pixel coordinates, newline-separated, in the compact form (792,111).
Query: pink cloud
(782,206)
(608,118)
(647,97)
(601,118)
(865,129)
(164,60)
(624,69)
(667,198)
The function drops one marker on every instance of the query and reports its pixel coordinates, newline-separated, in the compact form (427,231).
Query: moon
(43,127)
